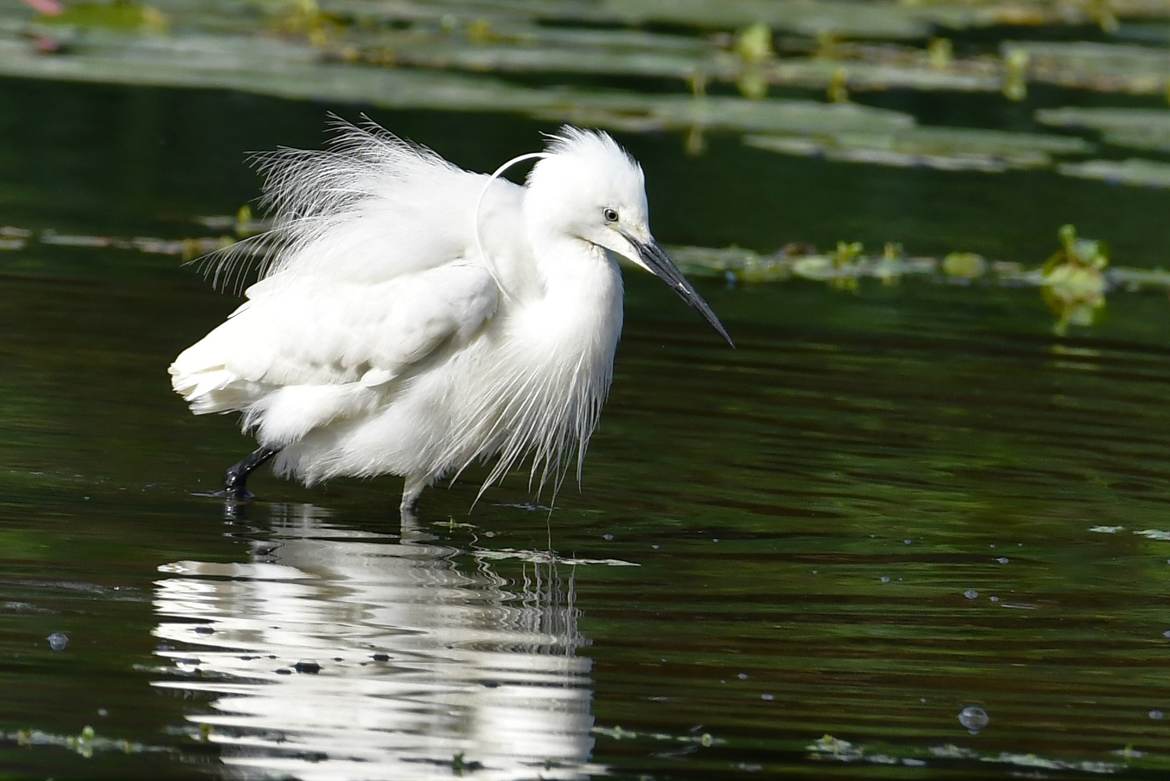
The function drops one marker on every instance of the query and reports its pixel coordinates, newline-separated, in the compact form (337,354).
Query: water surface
(882,508)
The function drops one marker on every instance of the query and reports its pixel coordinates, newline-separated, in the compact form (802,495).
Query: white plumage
(412,318)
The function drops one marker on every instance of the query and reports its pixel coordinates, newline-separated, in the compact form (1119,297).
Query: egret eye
(610,215)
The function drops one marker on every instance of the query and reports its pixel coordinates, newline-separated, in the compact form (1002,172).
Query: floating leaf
(718,112)
(1136,172)
(1137,128)
(1015,74)
(1105,67)
(1074,287)
(964,265)
(967,149)
(754,43)
(114,16)
(941,53)
(838,91)
(830,747)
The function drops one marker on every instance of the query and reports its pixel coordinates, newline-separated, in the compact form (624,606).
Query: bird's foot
(235,479)
(236,494)
(235,485)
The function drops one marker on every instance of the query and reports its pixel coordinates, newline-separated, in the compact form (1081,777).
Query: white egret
(412,318)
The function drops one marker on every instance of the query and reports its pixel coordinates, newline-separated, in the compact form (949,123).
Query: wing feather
(328,334)
(337,210)
(372,266)
(297,357)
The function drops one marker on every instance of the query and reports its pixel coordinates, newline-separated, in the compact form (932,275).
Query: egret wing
(367,208)
(298,332)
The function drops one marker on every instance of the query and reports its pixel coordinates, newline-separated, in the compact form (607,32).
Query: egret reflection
(431,658)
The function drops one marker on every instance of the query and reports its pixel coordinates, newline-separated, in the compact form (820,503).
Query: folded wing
(297,355)
(361,281)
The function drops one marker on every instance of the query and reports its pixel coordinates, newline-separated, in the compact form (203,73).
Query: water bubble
(607,537)
(971,594)
(1166,634)
(907,541)
(1002,560)
(58,641)
(767,697)
(884,578)
(994,599)
(742,676)
(1156,715)
(974,718)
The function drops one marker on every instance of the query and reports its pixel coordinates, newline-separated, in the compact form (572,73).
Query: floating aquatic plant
(1135,128)
(830,747)
(118,16)
(1133,171)
(86,743)
(953,149)
(753,44)
(964,265)
(1073,282)
(838,90)
(1015,74)
(328,45)
(616,732)
(1101,67)
(940,53)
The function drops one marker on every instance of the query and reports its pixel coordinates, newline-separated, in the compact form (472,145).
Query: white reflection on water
(471,667)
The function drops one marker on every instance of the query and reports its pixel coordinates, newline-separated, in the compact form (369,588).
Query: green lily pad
(114,16)
(1104,67)
(885,19)
(1134,171)
(1135,128)
(966,149)
(727,113)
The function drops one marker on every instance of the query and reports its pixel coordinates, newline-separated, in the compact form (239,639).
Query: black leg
(235,479)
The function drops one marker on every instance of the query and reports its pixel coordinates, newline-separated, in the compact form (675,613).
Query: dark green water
(876,512)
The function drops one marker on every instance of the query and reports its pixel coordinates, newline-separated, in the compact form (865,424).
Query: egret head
(588,187)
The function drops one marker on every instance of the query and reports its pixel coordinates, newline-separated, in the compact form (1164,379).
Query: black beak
(663,267)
